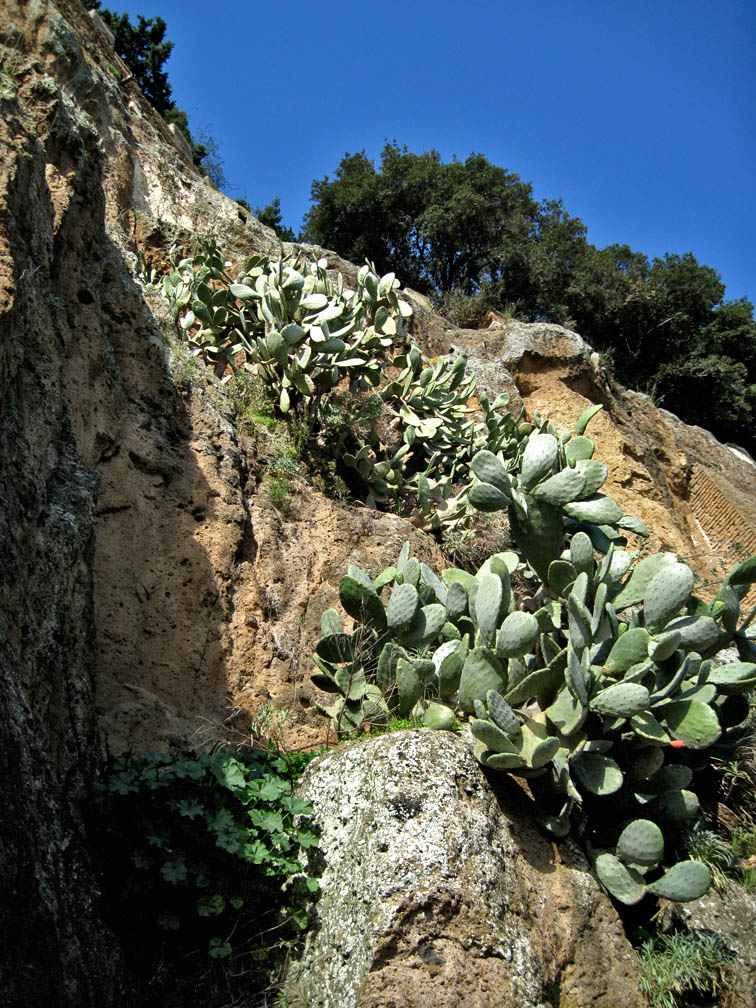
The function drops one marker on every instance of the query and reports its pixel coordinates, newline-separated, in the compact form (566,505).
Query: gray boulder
(436,891)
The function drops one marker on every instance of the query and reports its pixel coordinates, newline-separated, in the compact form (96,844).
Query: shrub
(602,683)
(195,852)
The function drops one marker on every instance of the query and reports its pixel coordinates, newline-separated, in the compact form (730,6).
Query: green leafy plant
(549,484)
(684,968)
(251,401)
(305,337)
(277,481)
(744,853)
(7,78)
(469,227)
(431,439)
(196,851)
(300,332)
(596,686)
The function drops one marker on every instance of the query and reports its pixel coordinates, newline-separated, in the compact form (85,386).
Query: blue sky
(641,116)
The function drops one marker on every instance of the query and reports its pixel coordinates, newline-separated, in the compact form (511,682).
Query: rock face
(731,915)
(435,892)
(151,595)
(697,497)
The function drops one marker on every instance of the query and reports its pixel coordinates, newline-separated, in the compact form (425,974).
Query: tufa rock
(436,892)
(730,914)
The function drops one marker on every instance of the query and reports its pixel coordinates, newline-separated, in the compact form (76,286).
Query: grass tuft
(685,968)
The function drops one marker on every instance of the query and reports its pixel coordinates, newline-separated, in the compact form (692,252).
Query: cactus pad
(481,672)
(561,488)
(598,774)
(541,452)
(630,648)
(641,844)
(330,623)
(490,469)
(666,594)
(502,714)
(439,716)
(598,509)
(488,602)
(624,883)
(685,881)
(623,699)
(402,606)
(691,721)
(581,553)
(516,635)
(486,497)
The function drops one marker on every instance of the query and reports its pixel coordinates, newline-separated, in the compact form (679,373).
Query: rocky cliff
(151,594)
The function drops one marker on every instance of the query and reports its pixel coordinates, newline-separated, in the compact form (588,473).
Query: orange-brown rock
(151,595)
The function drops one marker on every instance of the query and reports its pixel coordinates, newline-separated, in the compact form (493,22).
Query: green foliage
(744,852)
(707,846)
(301,333)
(278,475)
(145,51)
(684,968)
(744,842)
(595,687)
(434,223)
(195,852)
(304,336)
(270,215)
(471,235)
(464,311)
(251,399)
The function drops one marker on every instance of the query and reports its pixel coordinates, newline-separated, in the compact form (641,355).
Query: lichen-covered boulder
(732,915)
(436,891)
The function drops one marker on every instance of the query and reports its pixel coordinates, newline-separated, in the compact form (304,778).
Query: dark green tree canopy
(270,215)
(144,50)
(439,226)
(472,228)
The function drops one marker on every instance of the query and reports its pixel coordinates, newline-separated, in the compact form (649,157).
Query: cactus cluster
(604,683)
(549,484)
(300,331)
(304,334)
(437,435)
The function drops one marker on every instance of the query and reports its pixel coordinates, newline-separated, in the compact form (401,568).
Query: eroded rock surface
(731,915)
(152,595)
(434,892)
(54,946)
(697,496)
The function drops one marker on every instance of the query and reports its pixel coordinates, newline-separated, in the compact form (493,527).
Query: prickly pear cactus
(595,695)
(300,331)
(550,489)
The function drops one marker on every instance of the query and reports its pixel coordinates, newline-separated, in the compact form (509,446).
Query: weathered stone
(435,892)
(54,945)
(733,916)
(143,563)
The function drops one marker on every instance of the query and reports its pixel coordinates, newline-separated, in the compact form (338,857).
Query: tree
(345,215)
(714,384)
(439,226)
(270,215)
(145,50)
(472,228)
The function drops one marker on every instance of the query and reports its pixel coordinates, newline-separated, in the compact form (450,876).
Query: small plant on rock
(681,969)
